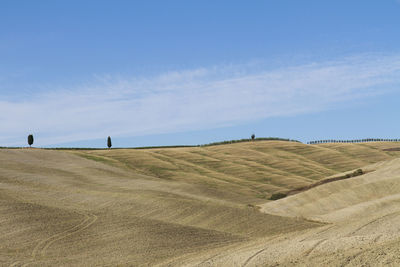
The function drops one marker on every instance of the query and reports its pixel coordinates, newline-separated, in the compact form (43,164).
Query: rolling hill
(248,172)
(188,206)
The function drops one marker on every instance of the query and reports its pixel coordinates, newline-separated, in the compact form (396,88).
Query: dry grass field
(200,206)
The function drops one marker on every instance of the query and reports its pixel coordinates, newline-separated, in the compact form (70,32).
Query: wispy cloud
(193,99)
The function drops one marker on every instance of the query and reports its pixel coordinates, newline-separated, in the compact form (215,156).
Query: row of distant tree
(353,141)
(253,138)
(31,140)
(109,143)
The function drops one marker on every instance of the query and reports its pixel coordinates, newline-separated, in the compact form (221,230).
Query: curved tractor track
(40,249)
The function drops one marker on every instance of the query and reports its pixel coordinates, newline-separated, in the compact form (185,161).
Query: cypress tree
(109,144)
(30,140)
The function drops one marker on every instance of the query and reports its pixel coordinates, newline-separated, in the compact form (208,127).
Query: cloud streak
(193,99)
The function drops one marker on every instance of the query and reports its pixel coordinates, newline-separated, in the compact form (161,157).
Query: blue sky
(191,72)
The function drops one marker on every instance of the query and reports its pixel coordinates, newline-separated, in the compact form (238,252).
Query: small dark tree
(253,136)
(30,140)
(109,144)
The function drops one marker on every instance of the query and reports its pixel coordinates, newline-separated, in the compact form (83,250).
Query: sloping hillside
(61,209)
(362,217)
(375,192)
(248,172)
